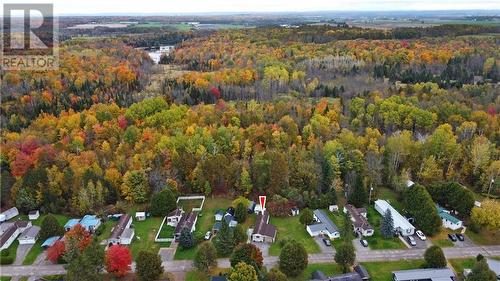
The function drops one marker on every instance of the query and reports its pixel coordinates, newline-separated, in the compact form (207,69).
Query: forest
(299,114)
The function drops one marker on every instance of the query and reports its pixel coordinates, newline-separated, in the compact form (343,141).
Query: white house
(8,214)
(219,215)
(358,218)
(140,216)
(322,226)
(449,221)
(33,215)
(29,235)
(401,225)
(174,217)
(10,231)
(122,233)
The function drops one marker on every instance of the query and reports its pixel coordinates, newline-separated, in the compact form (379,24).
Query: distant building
(219,215)
(231,221)
(449,221)
(188,220)
(10,231)
(359,222)
(174,217)
(122,233)
(263,231)
(359,274)
(333,208)
(33,215)
(401,225)
(29,235)
(294,211)
(494,266)
(9,214)
(428,274)
(322,226)
(140,216)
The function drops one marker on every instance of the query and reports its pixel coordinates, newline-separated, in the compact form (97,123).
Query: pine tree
(186,240)
(387,225)
(241,212)
(224,240)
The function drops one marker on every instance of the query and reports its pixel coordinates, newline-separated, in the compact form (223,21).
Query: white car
(411,241)
(208,235)
(421,235)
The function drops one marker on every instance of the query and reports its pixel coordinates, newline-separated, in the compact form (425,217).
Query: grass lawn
(328,269)
(460,264)
(62,219)
(33,253)
(376,241)
(392,197)
(185,254)
(188,204)
(105,230)
(167,231)
(201,276)
(382,271)
(5,278)
(484,237)
(8,255)
(290,228)
(144,239)
(338,220)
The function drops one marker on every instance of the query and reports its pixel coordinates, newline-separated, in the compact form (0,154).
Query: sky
(68,7)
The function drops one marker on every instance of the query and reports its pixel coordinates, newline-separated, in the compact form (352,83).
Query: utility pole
(370,196)
(489,188)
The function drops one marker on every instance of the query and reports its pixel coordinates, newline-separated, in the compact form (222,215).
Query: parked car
(460,236)
(327,242)
(412,241)
(364,242)
(421,235)
(208,235)
(452,237)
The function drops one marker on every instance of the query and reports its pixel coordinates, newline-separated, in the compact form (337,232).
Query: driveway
(323,248)
(358,247)
(22,251)
(464,244)
(263,247)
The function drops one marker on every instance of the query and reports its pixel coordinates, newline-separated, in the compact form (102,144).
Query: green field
(144,239)
(167,231)
(8,256)
(290,228)
(376,241)
(382,271)
(188,204)
(328,269)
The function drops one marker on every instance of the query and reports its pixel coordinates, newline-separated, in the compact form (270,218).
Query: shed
(294,211)
(140,216)
(219,215)
(70,223)
(33,215)
(29,235)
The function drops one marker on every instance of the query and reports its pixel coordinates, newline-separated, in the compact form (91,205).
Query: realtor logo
(29,38)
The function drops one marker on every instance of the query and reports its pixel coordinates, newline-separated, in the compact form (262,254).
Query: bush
(434,257)
(306,217)
(162,203)
(293,259)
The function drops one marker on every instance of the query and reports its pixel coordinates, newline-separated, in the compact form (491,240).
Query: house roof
(358,220)
(187,221)
(140,214)
(30,232)
(352,276)
(175,213)
(34,212)
(89,220)
(399,220)
(71,223)
(262,227)
(9,213)
(50,241)
(324,223)
(127,233)
(120,226)
(5,226)
(318,274)
(229,218)
(217,225)
(219,212)
(445,214)
(22,224)
(8,234)
(494,265)
(361,270)
(429,273)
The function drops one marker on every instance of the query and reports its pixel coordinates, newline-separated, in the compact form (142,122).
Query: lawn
(392,197)
(338,219)
(290,228)
(8,256)
(5,278)
(484,237)
(33,253)
(202,276)
(441,239)
(188,204)
(144,239)
(382,271)
(328,269)
(460,264)
(105,230)
(167,231)
(376,241)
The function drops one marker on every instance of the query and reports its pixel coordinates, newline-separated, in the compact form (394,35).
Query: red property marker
(262,200)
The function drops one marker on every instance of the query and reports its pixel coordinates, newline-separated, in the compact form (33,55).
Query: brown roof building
(359,221)
(263,230)
(188,220)
(117,233)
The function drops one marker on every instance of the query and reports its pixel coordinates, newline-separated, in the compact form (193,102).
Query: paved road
(368,256)
(22,251)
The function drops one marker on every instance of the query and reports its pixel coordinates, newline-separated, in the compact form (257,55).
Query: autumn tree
(276,275)
(205,257)
(118,260)
(487,215)
(249,254)
(345,256)
(135,187)
(293,258)
(242,272)
(56,251)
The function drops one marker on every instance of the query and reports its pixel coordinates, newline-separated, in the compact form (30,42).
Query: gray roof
(353,276)
(5,225)
(30,232)
(437,274)
(324,223)
(127,233)
(120,227)
(318,274)
(494,265)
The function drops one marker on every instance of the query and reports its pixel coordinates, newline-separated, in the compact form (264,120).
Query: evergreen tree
(240,213)
(186,240)
(306,216)
(240,235)
(358,196)
(162,203)
(481,272)
(387,225)
(224,240)
(345,256)
(419,204)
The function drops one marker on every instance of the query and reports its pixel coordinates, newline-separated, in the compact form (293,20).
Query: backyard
(460,264)
(376,241)
(144,238)
(289,228)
